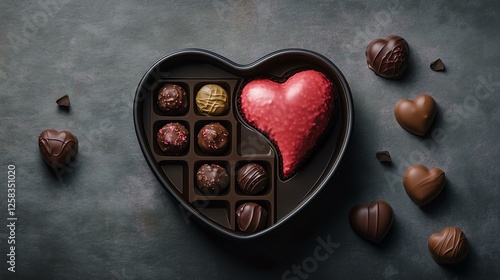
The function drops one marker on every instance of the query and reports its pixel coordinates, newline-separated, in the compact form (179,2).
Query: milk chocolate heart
(449,246)
(416,116)
(423,185)
(293,114)
(387,57)
(58,148)
(373,221)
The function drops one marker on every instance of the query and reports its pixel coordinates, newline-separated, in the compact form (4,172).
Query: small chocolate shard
(63,101)
(437,65)
(384,156)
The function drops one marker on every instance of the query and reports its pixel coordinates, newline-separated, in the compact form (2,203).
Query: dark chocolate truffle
(212,179)
(450,246)
(212,100)
(252,178)
(251,217)
(388,57)
(373,221)
(173,138)
(58,148)
(213,138)
(172,99)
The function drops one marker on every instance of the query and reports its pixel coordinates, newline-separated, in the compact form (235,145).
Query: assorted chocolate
(212,100)
(212,179)
(416,116)
(173,138)
(172,99)
(251,217)
(213,138)
(252,179)
(388,57)
(372,222)
(450,246)
(423,185)
(58,148)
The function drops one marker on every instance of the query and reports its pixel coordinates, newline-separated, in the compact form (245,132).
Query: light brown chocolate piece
(450,246)
(423,185)
(212,100)
(416,115)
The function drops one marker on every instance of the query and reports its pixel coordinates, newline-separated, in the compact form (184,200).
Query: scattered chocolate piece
(384,156)
(213,139)
(437,65)
(173,138)
(251,217)
(372,222)
(416,116)
(63,101)
(423,185)
(212,179)
(450,246)
(172,99)
(252,178)
(58,148)
(387,57)
(212,100)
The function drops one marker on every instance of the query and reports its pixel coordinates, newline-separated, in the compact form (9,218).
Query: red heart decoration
(293,114)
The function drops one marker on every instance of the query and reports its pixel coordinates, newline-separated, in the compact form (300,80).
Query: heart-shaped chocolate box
(193,68)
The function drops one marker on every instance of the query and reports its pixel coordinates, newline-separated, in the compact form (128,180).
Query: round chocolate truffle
(213,138)
(212,100)
(172,99)
(251,217)
(173,138)
(252,178)
(212,179)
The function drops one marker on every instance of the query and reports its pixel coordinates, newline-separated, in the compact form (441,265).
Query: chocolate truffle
(372,222)
(213,138)
(172,99)
(212,100)
(388,57)
(58,148)
(252,178)
(251,217)
(173,138)
(449,246)
(212,179)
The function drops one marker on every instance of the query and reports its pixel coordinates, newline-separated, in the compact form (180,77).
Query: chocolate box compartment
(194,68)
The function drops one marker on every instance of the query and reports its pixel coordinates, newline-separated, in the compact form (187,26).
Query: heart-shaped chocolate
(301,85)
(388,57)
(373,221)
(416,115)
(58,148)
(293,114)
(450,246)
(423,185)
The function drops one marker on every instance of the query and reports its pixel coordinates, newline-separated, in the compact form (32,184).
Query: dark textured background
(110,218)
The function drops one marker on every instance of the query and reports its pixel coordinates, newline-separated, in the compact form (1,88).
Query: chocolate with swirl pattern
(450,246)
(251,217)
(423,185)
(252,178)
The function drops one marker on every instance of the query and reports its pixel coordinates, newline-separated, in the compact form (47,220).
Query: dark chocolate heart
(388,57)
(373,221)
(280,198)
(416,116)
(423,185)
(450,246)
(58,148)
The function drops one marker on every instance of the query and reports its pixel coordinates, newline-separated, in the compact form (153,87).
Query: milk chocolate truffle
(173,138)
(387,57)
(213,139)
(58,148)
(212,100)
(172,99)
(251,217)
(449,246)
(252,178)
(212,179)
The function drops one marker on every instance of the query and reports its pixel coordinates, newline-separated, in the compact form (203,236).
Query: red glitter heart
(293,114)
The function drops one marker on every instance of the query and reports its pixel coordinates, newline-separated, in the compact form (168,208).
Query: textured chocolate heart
(449,246)
(373,221)
(423,185)
(387,57)
(416,116)
(293,114)
(58,148)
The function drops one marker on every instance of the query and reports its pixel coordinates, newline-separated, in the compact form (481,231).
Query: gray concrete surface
(109,218)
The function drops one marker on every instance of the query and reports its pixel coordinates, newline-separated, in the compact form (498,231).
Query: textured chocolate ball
(213,139)
(252,178)
(212,179)
(172,99)
(173,138)
(212,100)
(251,217)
